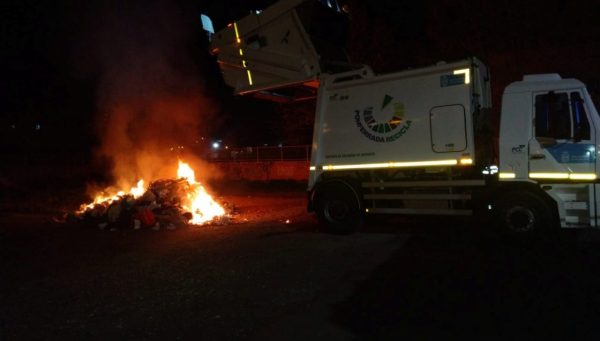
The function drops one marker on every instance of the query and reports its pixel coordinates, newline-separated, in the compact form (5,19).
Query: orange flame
(109,198)
(198,202)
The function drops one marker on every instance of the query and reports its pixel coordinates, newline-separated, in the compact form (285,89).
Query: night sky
(57,58)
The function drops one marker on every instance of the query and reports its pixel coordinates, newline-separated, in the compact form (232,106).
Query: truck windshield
(552,116)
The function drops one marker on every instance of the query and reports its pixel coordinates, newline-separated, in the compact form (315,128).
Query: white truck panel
(448,128)
(516,132)
(402,119)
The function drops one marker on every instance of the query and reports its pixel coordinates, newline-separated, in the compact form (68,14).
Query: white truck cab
(548,136)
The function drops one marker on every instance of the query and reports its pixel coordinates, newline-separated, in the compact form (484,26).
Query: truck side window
(552,116)
(581,125)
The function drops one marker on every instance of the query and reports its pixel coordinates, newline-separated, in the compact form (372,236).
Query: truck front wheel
(523,215)
(338,207)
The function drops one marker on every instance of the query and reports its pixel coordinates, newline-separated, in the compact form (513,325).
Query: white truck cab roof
(542,82)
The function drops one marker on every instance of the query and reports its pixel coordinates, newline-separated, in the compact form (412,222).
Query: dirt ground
(271,274)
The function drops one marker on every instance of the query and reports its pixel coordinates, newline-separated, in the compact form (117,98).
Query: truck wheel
(523,216)
(338,207)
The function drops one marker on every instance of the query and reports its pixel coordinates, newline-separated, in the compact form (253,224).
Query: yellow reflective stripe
(572,176)
(244,65)
(249,77)
(392,165)
(237,33)
(466,161)
(582,176)
(549,175)
(466,72)
(506,175)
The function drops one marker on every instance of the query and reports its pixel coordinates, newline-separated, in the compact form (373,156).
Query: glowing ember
(194,199)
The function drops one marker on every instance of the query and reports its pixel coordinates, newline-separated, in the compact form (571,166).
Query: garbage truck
(420,141)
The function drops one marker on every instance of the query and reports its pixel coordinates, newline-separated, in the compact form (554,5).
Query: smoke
(151,92)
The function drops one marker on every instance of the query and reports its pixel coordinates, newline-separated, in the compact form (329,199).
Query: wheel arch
(323,181)
(504,189)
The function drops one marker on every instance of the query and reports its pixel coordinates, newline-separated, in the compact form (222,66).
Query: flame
(138,190)
(184,171)
(108,198)
(198,202)
(202,206)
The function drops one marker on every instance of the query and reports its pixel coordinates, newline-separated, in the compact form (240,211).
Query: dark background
(52,70)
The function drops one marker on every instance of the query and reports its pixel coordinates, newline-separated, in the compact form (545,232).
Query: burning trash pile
(164,203)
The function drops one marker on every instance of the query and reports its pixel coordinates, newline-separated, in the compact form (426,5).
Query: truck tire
(523,216)
(338,207)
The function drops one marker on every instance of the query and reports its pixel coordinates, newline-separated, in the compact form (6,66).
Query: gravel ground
(262,277)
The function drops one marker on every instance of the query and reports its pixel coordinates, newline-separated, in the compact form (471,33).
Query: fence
(257,154)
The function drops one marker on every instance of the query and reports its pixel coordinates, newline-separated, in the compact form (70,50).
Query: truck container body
(422,141)
(415,118)
(286,45)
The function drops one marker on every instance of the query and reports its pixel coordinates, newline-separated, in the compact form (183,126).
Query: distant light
(14,126)
(257,12)
(38,126)
(216,145)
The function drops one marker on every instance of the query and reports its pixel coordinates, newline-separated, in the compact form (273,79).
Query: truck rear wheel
(338,207)
(523,216)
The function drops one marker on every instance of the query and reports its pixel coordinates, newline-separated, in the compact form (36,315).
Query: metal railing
(257,154)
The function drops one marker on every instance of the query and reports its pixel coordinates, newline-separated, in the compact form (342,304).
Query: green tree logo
(383,130)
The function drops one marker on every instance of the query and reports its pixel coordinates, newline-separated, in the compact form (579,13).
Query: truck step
(432,196)
(415,211)
(576,205)
(448,183)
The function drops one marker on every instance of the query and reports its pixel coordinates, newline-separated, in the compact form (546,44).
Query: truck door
(563,145)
